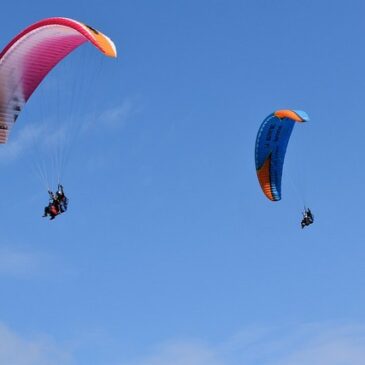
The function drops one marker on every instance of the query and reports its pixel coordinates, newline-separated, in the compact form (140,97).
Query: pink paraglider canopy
(28,58)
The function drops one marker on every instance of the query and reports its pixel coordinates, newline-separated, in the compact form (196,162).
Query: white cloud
(119,115)
(31,139)
(181,353)
(325,345)
(18,263)
(301,345)
(15,147)
(18,350)
(48,138)
(53,137)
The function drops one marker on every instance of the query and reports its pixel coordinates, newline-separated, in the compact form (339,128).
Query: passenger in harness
(57,203)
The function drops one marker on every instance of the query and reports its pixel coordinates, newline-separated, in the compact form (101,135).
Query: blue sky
(170,253)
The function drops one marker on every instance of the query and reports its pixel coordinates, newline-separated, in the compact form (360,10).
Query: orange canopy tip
(291,114)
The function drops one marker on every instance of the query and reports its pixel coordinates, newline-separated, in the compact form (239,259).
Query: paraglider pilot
(307,218)
(61,198)
(57,203)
